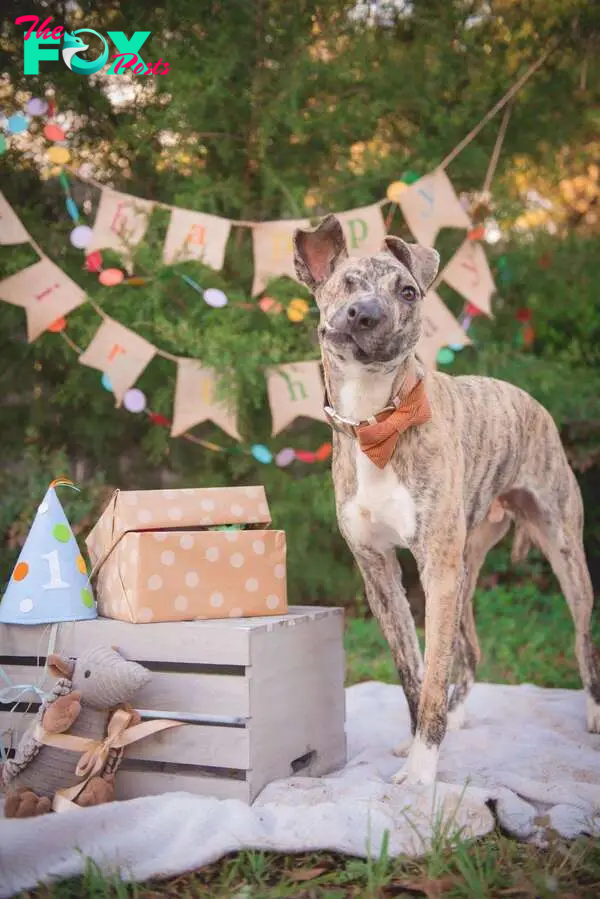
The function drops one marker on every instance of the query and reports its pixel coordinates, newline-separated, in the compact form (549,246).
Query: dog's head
(371,307)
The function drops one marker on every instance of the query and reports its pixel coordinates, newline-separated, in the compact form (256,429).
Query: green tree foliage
(279,109)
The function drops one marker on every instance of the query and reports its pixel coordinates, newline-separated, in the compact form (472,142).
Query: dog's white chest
(382,513)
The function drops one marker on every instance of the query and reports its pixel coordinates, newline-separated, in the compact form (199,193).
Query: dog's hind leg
(570,567)
(555,523)
(387,600)
(479,542)
(564,550)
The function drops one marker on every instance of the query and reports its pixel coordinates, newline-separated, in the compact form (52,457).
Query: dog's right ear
(317,252)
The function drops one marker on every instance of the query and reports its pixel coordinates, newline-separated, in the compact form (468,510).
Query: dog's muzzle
(359,318)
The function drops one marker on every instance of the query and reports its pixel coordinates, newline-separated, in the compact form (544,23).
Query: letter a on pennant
(295,390)
(44,292)
(196,235)
(195,402)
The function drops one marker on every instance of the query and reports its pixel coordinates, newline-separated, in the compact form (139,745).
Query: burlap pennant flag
(431,204)
(44,292)
(195,400)
(121,222)
(468,273)
(12,230)
(273,251)
(196,235)
(295,390)
(364,229)
(439,328)
(120,353)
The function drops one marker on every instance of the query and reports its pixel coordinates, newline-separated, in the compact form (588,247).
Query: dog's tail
(522,543)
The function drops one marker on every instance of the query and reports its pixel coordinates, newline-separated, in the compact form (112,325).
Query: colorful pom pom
(134,400)
(285,457)
(110,277)
(261,453)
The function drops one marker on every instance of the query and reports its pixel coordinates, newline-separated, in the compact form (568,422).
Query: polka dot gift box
(50,581)
(182,555)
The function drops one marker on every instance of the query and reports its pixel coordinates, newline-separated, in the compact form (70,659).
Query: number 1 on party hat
(50,582)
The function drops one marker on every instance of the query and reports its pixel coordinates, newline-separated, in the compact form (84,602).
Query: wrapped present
(182,555)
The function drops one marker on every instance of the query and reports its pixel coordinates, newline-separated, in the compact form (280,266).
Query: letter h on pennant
(292,386)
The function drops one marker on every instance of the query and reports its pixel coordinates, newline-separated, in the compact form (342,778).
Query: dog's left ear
(422,262)
(317,252)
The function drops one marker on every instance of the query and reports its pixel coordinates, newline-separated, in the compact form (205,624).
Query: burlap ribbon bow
(95,753)
(378,440)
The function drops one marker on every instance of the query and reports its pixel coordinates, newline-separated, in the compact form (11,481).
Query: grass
(494,867)
(526,636)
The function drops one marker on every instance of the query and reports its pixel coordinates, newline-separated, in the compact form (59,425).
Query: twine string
(510,93)
(497,149)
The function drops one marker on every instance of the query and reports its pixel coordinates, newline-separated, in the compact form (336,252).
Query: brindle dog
(489,456)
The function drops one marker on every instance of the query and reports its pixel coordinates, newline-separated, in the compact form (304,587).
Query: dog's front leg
(442,577)
(387,600)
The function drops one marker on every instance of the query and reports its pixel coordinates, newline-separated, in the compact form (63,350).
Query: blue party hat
(50,582)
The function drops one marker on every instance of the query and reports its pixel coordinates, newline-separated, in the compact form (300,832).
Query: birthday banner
(428,204)
(295,390)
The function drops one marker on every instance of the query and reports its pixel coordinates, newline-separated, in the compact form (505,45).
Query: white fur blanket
(524,755)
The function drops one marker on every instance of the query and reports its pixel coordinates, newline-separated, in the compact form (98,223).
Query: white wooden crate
(262,698)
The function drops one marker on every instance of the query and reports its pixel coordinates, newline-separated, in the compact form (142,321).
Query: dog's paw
(403,749)
(420,767)
(457,717)
(411,778)
(593,715)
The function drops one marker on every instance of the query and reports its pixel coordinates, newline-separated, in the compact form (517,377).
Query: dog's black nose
(364,315)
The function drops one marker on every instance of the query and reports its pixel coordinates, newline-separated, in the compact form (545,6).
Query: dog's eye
(409,293)
(87,673)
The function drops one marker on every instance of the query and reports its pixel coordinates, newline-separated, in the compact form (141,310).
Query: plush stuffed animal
(82,705)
